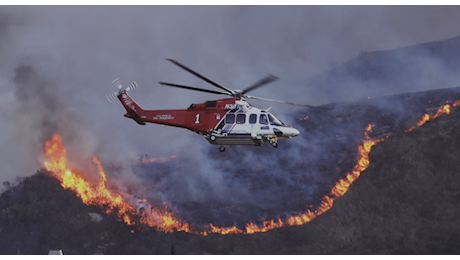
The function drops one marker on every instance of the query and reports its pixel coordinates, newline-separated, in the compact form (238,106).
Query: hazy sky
(56,65)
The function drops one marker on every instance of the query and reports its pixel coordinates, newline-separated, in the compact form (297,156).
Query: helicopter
(230,121)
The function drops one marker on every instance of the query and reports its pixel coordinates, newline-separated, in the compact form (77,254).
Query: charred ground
(257,184)
(406,202)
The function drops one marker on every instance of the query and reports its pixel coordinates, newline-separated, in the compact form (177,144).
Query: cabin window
(252,118)
(230,118)
(240,118)
(263,119)
(211,103)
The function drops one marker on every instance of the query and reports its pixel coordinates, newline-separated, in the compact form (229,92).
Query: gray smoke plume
(56,65)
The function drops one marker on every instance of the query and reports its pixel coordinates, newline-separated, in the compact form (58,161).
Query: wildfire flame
(100,195)
(164,220)
(426,117)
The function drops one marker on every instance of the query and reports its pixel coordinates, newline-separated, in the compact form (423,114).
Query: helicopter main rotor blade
(260,83)
(285,102)
(201,77)
(193,88)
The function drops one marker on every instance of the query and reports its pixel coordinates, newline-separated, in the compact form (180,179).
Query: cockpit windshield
(274,120)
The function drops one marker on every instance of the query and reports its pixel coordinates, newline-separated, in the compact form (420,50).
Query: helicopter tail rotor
(111,97)
(117,83)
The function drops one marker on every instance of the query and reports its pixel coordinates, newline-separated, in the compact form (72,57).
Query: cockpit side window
(263,119)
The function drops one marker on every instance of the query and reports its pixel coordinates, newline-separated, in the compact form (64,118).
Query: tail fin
(134,110)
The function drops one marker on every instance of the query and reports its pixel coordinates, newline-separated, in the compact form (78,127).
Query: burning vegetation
(404,202)
(100,195)
(138,212)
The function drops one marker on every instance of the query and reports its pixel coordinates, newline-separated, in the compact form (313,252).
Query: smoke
(57,64)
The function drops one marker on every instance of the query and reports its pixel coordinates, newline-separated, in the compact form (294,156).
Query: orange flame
(101,195)
(426,117)
(164,220)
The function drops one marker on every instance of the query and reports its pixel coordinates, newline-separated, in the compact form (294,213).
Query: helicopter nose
(295,132)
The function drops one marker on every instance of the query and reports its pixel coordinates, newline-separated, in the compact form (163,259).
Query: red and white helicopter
(230,121)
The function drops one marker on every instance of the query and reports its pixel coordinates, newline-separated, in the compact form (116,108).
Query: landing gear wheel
(213,138)
(222,149)
(275,144)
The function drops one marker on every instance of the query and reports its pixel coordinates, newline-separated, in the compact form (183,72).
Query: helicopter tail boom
(175,118)
(133,109)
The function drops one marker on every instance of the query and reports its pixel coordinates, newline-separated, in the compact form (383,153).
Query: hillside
(404,203)
(407,69)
